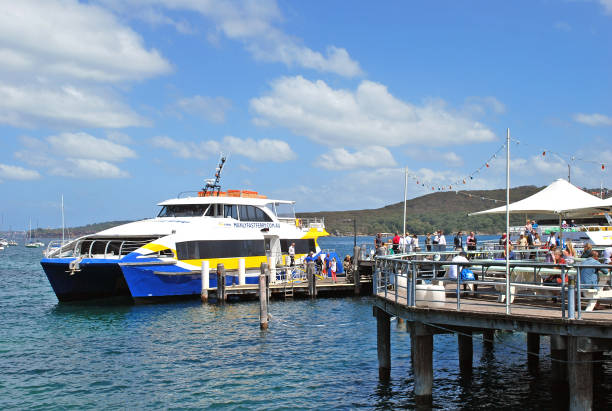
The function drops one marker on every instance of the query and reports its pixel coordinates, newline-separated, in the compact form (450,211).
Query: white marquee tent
(560,197)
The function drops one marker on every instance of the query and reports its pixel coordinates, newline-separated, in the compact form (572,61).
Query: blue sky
(118,105)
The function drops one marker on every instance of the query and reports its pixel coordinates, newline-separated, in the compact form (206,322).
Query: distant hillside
(440,210)
(74,232)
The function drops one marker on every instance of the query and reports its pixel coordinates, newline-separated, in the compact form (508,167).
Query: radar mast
(213,185)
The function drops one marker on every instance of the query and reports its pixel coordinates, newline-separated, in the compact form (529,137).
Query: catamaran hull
(96,279)
(93,280)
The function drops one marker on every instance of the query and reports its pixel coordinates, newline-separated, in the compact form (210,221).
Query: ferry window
(284,210)
(182,210)
(251,213)
(231,211)
(215,210)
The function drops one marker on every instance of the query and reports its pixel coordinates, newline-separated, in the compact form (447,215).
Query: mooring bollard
(205,280)
(263,297)
(220,284)
(241,271)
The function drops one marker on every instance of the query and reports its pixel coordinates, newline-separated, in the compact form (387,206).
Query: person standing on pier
(428,242)
(396,243)
(415,243)
(442,240)
(436,241)
(332,268)
(458,241)
(402,244)
(471,241)
(292,254)
(588,276)
(378,241)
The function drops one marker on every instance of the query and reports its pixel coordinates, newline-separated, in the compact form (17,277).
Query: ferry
(163,256)
(595,230)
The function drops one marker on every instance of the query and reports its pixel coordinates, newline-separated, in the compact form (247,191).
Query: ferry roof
(223,200)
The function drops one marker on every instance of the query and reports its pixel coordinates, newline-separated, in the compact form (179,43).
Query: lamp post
(354,220)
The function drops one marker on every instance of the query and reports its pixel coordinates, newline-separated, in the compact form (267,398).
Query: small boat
(163,256)
(28,241)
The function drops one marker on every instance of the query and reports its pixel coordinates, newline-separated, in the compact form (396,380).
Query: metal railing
(99,248)
(415,281)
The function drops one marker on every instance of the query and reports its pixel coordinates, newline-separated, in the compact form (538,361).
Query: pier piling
(383,343)
(422,362)
(263,297)
(241,271)
(558,355)
(533,351)
(312,279)
(580,376)
(221,284)
(356,276)
(488,337)
(205,280)
(466,352)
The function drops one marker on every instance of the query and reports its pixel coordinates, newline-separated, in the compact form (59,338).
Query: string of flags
(470,195)
(424,184)
(563,156)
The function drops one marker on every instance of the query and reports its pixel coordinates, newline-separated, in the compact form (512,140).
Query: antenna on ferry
(213,185)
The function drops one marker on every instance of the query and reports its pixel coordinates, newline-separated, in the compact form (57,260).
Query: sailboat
(29,243)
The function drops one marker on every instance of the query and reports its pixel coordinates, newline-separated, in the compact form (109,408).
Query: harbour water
(316,354)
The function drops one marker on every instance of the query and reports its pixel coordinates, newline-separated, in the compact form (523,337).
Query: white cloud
(210,108)
(76,155)
(480,105)
(607,5)
(448,158)
(60,61)
(85,146)
(119,137)
(71,39)
(9,172)
(28,106)
(369,115)
(257,150)
(255,24)
(593,120)
(87,168)
(368,157)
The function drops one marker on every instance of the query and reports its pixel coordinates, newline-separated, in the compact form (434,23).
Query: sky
(117,105)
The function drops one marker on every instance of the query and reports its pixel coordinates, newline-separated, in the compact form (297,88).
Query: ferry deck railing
(95,248)
(416,281)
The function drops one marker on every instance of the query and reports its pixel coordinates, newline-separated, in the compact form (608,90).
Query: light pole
(354,219)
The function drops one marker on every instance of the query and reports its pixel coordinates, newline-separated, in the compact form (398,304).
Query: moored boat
(163,256)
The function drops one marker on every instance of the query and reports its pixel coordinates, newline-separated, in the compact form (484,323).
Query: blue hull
(96,279)
(99,278)
(169,281)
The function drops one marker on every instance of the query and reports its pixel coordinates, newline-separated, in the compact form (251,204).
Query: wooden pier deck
(325,287)
(577,337)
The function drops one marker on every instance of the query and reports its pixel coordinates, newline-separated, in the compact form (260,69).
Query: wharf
(409,288)
(325,288)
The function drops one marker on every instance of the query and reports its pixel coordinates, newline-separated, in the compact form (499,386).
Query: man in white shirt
(292,254)
(415,243)
(442,241)
(402,245)
(452,270)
